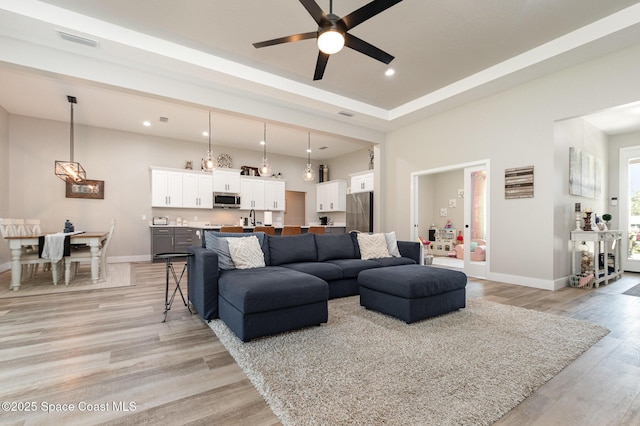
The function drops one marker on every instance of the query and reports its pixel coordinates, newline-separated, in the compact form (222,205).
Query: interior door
(629,207)
(475,217)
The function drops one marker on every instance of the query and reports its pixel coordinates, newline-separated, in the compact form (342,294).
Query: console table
(604,246)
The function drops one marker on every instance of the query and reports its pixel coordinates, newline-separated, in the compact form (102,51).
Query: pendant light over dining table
(70,170)
(309,175)
(207,163)
(265,167)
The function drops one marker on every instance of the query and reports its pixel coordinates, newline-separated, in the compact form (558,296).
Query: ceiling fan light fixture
(330,41)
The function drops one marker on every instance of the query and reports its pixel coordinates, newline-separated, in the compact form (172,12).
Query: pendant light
(207,163)
(265,168)
(308,175)
(70,170)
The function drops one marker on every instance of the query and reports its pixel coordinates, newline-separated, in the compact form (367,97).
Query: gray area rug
(469,367)
(633,291)
(119,275)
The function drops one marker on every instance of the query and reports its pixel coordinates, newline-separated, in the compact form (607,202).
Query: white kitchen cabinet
(197,190)
(331,196)
(251,194)
(362,182)
(166,188)
(274,195)
(226,180)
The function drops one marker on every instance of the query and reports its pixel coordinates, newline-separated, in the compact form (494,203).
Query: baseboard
(528,281)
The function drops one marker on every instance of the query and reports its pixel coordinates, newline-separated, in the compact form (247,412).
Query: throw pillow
(372,246)
(473,246)
(392,243)
(221,247)
(246,252)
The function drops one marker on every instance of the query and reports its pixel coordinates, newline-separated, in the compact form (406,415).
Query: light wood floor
(110,347)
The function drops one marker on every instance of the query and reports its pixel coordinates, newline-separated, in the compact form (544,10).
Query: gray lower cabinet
(172,240)
(336,229)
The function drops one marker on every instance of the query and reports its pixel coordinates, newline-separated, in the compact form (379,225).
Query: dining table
(93,240)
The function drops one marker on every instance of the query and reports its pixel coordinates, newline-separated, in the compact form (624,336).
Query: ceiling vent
(164,119)
(323,148)
(78,39)
(346,113)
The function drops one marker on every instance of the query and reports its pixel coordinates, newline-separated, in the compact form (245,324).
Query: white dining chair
(83,255)
(29,259)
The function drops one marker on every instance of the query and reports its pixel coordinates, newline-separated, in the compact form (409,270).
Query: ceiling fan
(332,33)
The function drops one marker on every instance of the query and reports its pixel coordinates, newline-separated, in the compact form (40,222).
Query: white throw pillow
(246,252)
(372,246)
(392,243)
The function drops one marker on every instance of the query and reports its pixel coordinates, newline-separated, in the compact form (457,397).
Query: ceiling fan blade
(321,64)
(362,46)
(367,11)
(288,39)
(314,10)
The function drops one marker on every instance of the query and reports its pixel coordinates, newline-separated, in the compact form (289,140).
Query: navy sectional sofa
(302,273)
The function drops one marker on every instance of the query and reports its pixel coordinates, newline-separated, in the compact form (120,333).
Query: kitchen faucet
(252,216)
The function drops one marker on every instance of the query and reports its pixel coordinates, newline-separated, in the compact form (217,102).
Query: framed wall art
(92,189)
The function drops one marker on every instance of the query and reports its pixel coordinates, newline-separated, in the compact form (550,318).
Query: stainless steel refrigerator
(360,212)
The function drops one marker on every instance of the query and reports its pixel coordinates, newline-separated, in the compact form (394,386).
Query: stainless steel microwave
(226,200)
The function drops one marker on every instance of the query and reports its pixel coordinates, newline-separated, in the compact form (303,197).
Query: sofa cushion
(352,267)
(372,246)
(394,261)
(323,270)
(221,247)
(246,252)
(217,242)
(336,246)
(270,288)
(292,249)
(392,243)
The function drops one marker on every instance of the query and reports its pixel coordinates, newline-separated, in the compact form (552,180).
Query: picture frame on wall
(90,189)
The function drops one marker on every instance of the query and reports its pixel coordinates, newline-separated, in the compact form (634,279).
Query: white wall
(513,128)
(576,133)
(122,160)
(4,177)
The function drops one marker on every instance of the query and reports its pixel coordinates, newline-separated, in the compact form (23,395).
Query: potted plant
(606,217)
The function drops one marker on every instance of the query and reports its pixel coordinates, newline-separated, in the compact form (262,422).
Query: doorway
(294,210)
(629,181)
(472,226)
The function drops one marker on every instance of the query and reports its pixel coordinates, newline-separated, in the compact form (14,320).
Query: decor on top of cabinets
(308,175)
(265,167)
(225,161)
(70,170)
(207,163)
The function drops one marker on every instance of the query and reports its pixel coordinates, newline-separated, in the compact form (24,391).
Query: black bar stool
(168,258)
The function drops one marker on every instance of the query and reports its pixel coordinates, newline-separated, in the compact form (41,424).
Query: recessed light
(262,142)
(146,123)
(205,133)
(389,72)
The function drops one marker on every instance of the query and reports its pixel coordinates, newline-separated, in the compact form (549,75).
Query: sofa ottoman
(263,301)
(412,292)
